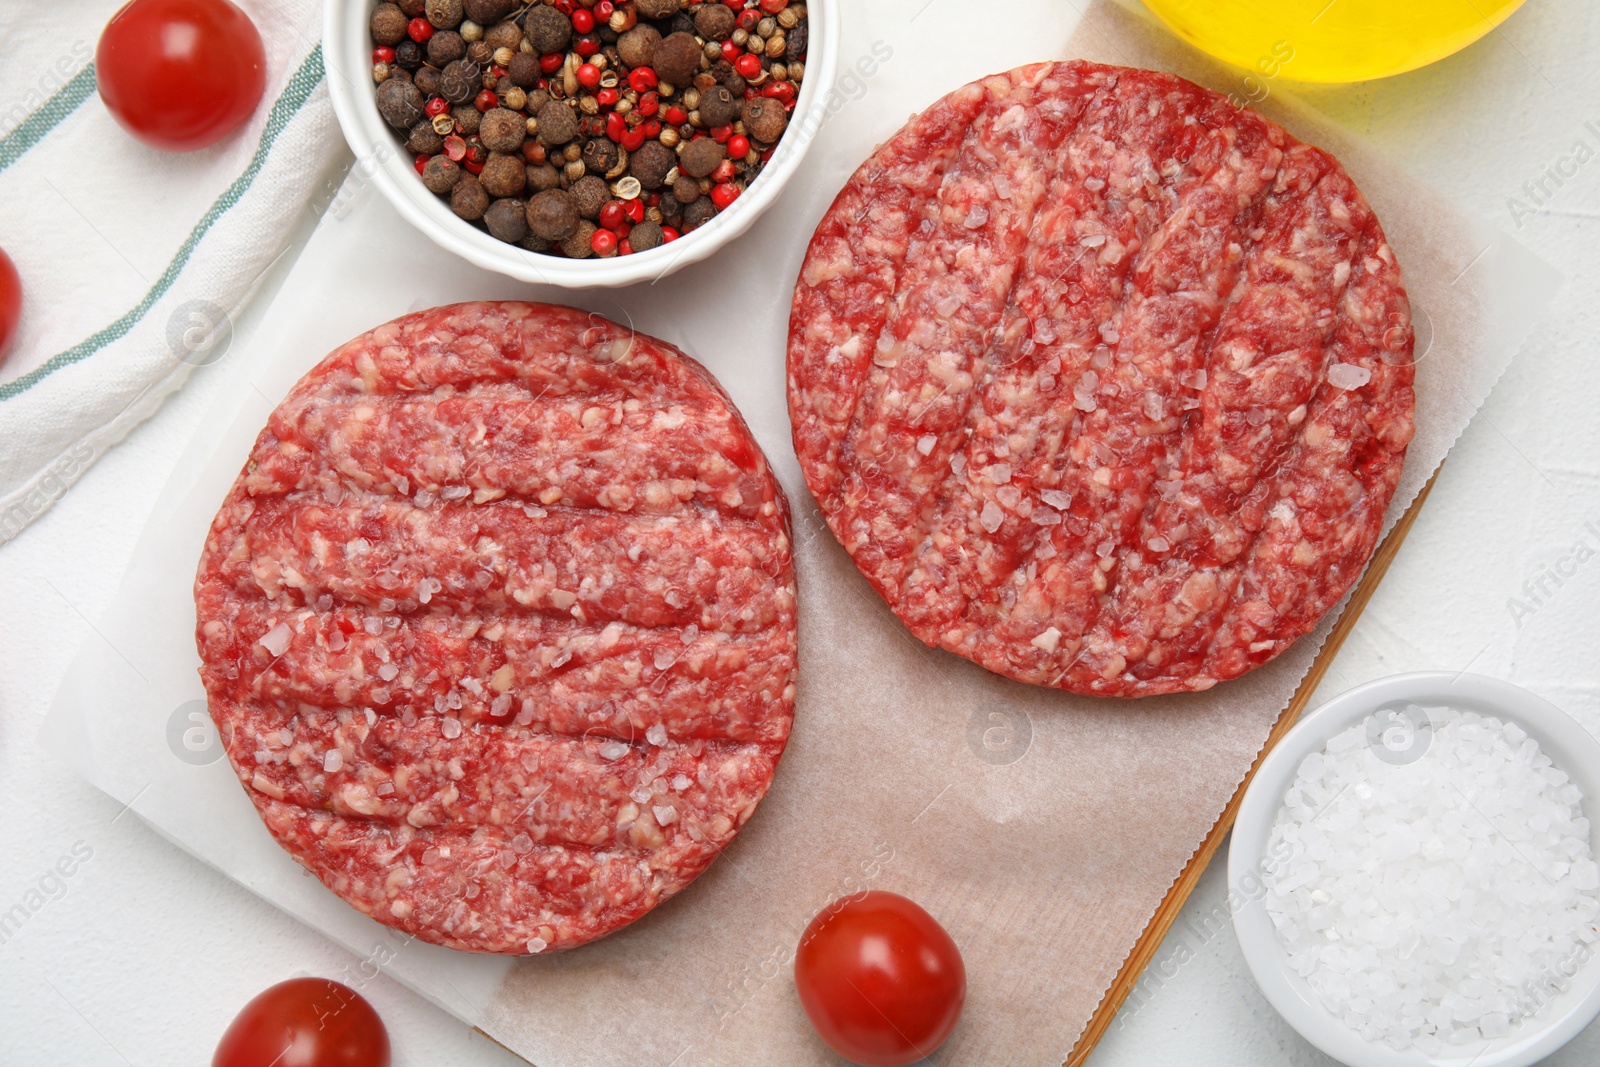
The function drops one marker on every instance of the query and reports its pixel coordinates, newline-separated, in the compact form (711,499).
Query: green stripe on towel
(15,145)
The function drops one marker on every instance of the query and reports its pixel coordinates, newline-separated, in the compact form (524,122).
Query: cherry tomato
(10,301)
(180,74)
(305,1022)
(880,979)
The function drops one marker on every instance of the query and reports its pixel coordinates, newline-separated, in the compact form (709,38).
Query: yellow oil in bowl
(1337,41)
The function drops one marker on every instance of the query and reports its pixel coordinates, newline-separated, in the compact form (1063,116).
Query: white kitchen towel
(133,261)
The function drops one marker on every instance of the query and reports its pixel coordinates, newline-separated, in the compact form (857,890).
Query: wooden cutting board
(1149,941)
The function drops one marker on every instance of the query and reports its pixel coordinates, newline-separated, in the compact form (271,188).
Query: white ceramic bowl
(1568,744)
(347,51)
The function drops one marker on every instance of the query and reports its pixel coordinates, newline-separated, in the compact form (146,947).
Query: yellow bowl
(1332,40)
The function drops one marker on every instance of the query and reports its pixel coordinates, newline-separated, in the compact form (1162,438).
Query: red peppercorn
(634,209)
(677,116)
(748,66)
(648,105)
(383,55)
(607,97)
(604,242)
(749,20)
(733,5)
(476,153)
(616,126)
(455,147)
(724,194)
(654,200)
(422,162)
(783,91)
(564,6)
(588,75)
(730,51)
(750,92)
(604,10)
(498,71)
(586,46)
(772,7)
(642,79)
(552,62)
(668,234)
(473,166)
(633,140)
(419,30)
(612,215)
(436,105)
(738,146)
(583,21)
(625,249)
(724,171)
(486,100)
(650,129)
(720,134)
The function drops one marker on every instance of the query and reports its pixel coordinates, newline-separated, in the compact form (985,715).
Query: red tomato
(881,980)
(180,74)
(305,1022)
(10,301)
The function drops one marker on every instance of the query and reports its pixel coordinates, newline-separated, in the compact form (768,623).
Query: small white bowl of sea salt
(1414,878)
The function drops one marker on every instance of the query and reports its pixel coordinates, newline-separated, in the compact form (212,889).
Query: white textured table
(146,954)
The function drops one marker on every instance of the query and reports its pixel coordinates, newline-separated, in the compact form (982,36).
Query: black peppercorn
(388,25)
(795,48)
(699,213)
(553,215)
(441,174)
(400,103)
(408,55)
(601,154)
(548,30)
(468,200)
(507,219)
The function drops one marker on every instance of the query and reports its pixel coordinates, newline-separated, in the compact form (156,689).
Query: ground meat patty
(1104,383)
(498,624)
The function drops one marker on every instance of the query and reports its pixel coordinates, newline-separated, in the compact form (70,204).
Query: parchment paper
(1042,829)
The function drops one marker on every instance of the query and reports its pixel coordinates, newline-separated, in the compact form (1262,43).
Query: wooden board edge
(1155,932)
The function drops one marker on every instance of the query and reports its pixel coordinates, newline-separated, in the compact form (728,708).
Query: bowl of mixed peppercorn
(580,142)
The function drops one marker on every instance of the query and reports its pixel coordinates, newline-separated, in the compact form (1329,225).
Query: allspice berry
(488,12)
(399,102)
(552,215)
(426,79)
(547,29)
(524,70)
(557,123)
(701,157)
(651,163)
(507,219)
(388,25)
(677,59)
(542,176)
(647,235)
(699,213)
(764,119)
(658,9)
(423,140)
(589,195)
(441,174)
(638,46)
(445,47)
(504,35)
(468,119)
(685,190)
(502,130)
(468,200)
(459,81)
(503,175)
(579,245)
(444,14)
(717,106)
(714,22)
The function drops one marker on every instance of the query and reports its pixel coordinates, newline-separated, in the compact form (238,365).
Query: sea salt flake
(613,750)
(656,735)
(1348,376)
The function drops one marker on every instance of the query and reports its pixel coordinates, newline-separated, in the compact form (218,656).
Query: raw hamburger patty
(498,624)
(1103,383)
